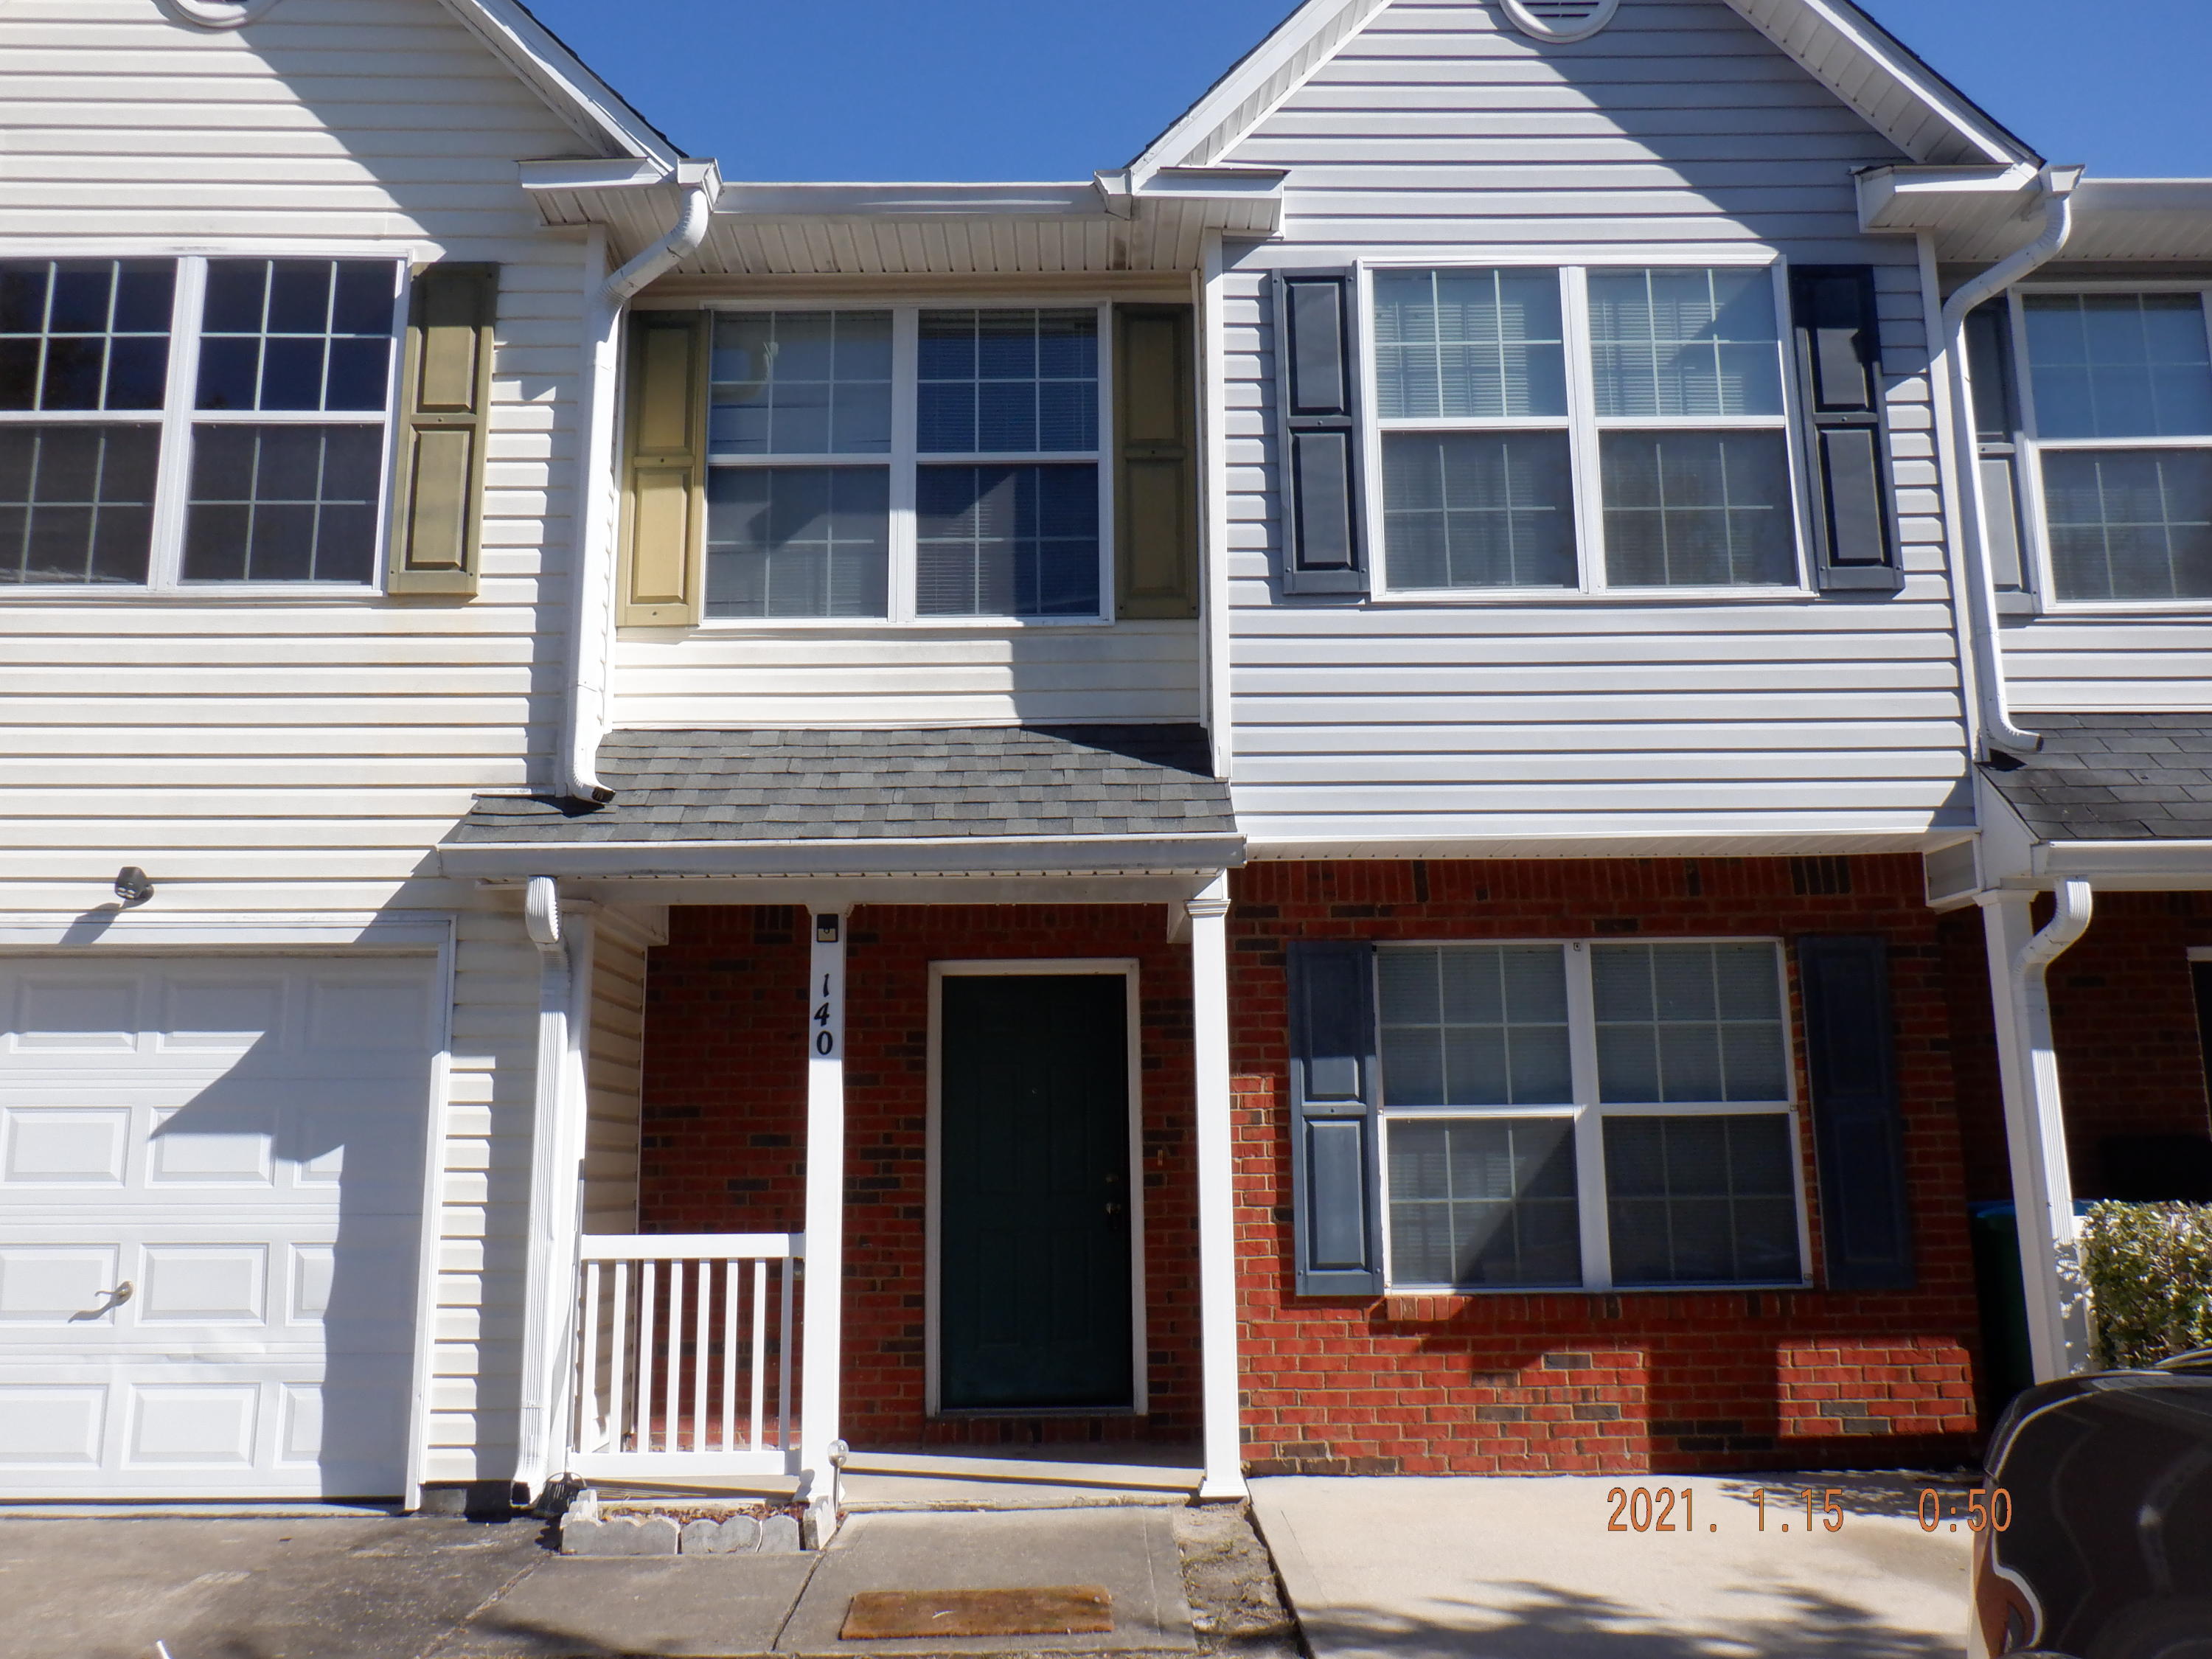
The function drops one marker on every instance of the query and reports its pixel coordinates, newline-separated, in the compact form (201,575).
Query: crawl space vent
(1561,20)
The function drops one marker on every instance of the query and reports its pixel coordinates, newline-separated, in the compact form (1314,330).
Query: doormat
(889,1615)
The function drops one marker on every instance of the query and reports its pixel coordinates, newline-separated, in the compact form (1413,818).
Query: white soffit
(1835,42)
(1979,214)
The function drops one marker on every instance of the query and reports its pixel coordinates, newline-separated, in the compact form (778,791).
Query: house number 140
(825,1040)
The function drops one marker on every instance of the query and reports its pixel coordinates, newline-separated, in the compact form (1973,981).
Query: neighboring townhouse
(1317,798)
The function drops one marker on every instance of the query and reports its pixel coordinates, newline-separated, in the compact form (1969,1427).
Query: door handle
(1113,1209)
(110,1301)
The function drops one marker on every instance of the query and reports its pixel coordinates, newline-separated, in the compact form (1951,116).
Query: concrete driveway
(1528,1569)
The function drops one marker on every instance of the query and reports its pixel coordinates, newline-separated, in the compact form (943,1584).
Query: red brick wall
(1634,1382)
(1507,1383)
(724,1132)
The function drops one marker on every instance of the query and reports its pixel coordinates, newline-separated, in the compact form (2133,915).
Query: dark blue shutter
(1334,1176)
(1840,384)
(1323,543)
(1857,1126)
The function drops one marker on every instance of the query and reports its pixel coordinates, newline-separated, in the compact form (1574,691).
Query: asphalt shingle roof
(2115,777)
(988,783)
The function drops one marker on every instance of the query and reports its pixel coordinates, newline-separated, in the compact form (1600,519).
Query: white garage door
(211,1202)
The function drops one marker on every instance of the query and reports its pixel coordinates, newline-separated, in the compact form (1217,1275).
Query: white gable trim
(574,93)
(1256,87)
(1832,40)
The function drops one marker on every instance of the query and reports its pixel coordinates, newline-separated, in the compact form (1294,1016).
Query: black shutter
(1839,386)
(1334,1176)
(1323,550)
(1857,1126)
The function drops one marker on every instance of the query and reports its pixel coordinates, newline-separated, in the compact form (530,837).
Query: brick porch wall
(1557,1383)
(2124,1010)
(724,1128)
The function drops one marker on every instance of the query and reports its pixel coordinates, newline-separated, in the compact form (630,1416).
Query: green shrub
(2149,1271)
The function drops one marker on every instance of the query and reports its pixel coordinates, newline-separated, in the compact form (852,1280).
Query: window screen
(1701,1200)
(1689,1024)
(1484,1201)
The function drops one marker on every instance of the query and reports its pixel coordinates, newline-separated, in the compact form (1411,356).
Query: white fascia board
(1041,855)
(563,172)
(589,104)
(907,201)
(1885,61)
(1914,198)
(2138,863)
(2009,846)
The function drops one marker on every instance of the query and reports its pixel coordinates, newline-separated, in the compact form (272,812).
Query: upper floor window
(906,463)
(2118,413)
(171,423)
(1583,429)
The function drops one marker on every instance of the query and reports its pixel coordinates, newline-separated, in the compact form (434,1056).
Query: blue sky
(967,90)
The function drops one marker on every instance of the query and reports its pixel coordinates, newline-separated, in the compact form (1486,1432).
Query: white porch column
(557,1152)
(822,1341)
(1216,1192)
(2035,1122)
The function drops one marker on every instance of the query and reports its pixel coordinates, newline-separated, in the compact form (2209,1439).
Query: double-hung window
(906,463)
(193,423)
(1584,429)
(1586,1116)
(2118,407)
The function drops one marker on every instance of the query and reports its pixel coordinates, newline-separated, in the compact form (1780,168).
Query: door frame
(1127,967)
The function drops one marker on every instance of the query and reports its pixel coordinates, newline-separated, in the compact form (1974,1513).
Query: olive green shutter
(445,423)
(663,529)
(1156,489)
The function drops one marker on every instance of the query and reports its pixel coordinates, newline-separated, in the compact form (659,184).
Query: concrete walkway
(1527,1569)
(381,1587)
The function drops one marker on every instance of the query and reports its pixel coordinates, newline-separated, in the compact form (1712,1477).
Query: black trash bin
(2007,1364)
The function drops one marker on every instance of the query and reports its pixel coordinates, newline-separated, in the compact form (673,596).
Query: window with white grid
(1586,1116)
(212,423)
(1584,429)
(909,463)
(2118,407)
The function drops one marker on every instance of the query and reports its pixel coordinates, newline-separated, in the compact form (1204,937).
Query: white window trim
(178,417)
(1129,970)
(1589,1115)
(904,458)
(1584,429)
(2029,448)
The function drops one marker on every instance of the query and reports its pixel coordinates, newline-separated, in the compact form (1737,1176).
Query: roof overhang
(1979,214)
(956,857)
(2150,866)
(1107,224)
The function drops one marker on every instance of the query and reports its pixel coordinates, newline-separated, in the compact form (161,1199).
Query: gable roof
(1832,40)
(551,68)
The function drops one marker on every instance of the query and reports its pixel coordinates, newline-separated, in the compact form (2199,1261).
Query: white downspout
(591,589)
(2035,1125)
(1997,730)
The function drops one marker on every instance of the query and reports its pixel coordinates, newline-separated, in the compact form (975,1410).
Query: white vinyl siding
(1680,137)
(305,754)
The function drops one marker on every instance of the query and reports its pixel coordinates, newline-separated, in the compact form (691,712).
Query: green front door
(1033,1184)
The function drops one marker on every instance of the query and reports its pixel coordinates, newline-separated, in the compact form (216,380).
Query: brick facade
(1557,1383)
(724,1128)
(1491,1383)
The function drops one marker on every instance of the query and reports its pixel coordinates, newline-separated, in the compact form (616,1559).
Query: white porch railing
(646,1408)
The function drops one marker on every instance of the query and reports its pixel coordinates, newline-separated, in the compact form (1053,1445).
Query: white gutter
(592,589)
(2043,1201)
(1997,730)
